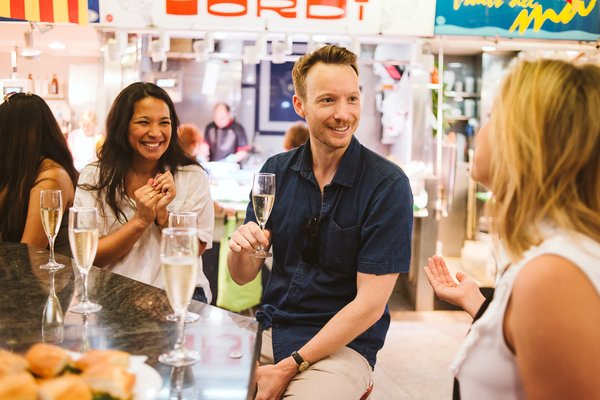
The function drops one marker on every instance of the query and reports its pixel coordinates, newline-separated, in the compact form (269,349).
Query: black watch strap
(301,362)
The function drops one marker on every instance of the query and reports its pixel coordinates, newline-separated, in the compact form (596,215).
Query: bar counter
(132,319)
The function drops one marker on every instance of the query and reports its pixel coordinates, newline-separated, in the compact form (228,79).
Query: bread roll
(11,363)
(115,381)
(108,357)
(18,386)
(68,387)
(46,360)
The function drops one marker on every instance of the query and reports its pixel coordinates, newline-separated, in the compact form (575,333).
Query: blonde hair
(545,137)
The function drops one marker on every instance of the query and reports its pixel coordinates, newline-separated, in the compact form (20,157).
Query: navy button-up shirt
(364,220)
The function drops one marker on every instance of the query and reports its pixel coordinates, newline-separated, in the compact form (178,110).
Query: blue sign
(540,19)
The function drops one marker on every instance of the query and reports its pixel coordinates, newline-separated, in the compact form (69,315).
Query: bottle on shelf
(31,83)
(53,85)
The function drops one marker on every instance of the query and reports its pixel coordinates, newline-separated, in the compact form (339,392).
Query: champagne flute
(263,198)
(52,317)
(83,238)
(179,265)
(51,212)
(183,384)
(183,219)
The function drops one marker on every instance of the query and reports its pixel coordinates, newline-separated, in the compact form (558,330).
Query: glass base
(262,254)
(86,307)
(52,266)
(189,317)
(179,358)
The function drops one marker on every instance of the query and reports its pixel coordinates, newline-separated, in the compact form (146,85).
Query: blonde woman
(540,156)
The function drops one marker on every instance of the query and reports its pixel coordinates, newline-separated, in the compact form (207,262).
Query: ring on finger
(150,195)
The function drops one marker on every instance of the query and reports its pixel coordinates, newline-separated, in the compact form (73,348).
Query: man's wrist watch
(303,365)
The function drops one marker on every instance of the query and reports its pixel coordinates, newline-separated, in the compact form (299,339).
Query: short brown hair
(329,54)
(295,136)
(189,136)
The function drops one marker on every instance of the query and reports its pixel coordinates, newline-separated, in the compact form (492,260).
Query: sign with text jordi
(542,19)
(290,16)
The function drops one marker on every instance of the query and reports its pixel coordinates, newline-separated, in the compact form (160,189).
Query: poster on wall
(540,19)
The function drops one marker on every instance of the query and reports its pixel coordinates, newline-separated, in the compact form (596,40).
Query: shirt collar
(346,171)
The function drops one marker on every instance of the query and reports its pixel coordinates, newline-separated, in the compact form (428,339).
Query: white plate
(147,380)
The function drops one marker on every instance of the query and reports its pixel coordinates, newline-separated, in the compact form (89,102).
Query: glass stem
(260,248)
(51,243)
(180,330)
(52,290)
(84,278)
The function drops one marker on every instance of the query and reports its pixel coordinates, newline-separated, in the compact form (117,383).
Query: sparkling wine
(51,218)
(263,204)
(84,243)
(179,273)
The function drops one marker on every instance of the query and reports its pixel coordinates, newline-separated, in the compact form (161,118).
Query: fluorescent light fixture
(488,48)
(57,45)
(454,65)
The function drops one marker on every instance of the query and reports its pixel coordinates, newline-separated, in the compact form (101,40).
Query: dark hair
(329,54)
(116,155)
(29,134)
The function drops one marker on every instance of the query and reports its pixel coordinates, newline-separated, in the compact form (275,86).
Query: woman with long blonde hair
(540,156)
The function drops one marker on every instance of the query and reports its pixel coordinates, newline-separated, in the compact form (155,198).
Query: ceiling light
(454,65)
(488,48)
(57,45)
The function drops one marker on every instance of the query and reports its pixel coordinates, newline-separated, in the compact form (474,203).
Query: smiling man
(340,232)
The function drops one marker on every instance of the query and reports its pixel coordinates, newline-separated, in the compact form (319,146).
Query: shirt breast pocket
(339,247)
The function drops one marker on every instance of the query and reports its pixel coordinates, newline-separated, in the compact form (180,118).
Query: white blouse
(142,263)
(485,366)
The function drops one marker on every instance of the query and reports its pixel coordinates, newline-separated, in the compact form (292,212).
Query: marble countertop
(132,319)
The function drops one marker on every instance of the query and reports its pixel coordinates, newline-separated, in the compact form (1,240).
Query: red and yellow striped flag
(75,11)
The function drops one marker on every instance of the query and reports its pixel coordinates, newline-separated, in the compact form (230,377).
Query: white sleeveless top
(484,366)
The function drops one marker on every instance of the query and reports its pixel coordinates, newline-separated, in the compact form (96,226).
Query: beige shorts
(343,375)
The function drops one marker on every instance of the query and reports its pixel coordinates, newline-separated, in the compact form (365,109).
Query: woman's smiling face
(149,129)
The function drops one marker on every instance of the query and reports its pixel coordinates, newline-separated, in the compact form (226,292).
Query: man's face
(221,117)
(332,105)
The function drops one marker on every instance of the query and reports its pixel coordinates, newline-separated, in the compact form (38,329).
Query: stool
(367,393)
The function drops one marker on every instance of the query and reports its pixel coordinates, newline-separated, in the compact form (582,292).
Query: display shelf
(464,95)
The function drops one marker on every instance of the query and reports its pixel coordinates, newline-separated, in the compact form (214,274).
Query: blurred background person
(192,142)
(226,138)
(33,156)
(295,136)
(84,141)
(141,174)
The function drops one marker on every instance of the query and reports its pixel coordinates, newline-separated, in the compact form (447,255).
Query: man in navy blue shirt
(340,232)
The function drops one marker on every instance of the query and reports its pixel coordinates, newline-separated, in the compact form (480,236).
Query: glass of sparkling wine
(51,212)
(179,265)
(83,238)
(263,198)
(183,219)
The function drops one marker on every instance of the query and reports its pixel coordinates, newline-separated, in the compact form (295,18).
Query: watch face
(303,366)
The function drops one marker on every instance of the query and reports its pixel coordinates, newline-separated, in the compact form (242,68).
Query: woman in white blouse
(540,156)
(141,175)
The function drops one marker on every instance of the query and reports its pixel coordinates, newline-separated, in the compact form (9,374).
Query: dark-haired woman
(33,157)
(141,174)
